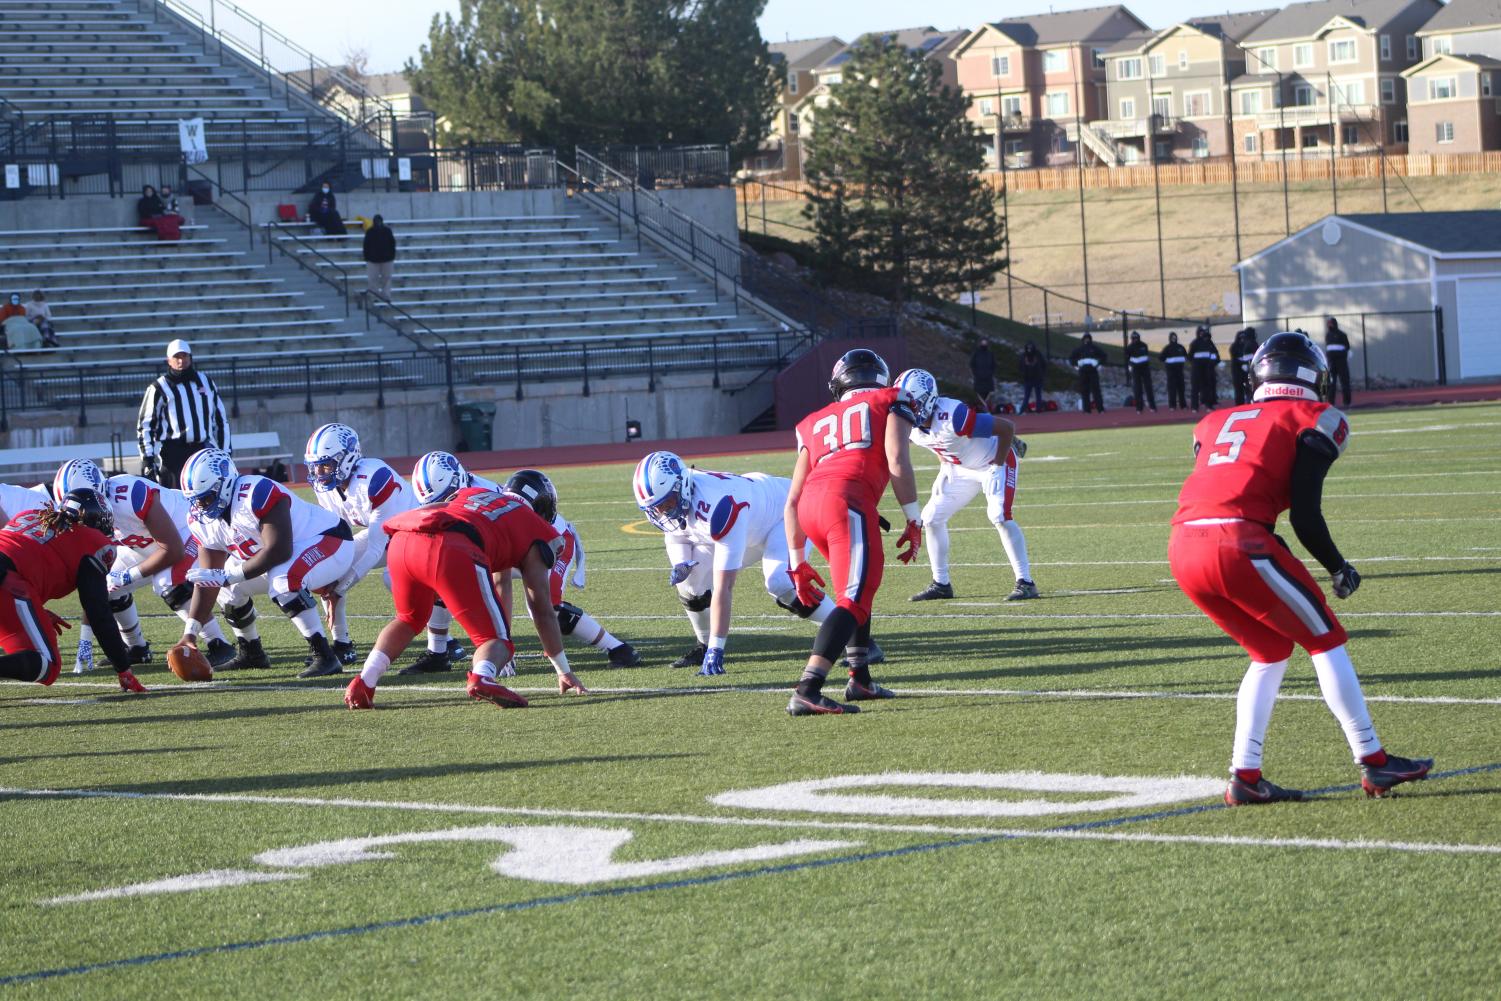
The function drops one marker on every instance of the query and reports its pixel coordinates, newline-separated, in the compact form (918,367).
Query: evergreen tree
(594,72)
(893,171)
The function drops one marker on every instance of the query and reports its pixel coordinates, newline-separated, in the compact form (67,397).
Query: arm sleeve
(1314,457)
(93,595)
(370,546)
(578,549)
(148,438)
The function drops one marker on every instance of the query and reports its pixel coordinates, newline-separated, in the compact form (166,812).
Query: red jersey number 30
(850,432)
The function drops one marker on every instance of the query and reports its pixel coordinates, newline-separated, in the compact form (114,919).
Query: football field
(1038,814)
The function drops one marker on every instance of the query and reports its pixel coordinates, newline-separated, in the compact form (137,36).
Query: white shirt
(16,500)
(734,514)
(131,499)
(949,436)
(239,530)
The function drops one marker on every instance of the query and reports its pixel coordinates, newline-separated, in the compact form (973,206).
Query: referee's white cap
(179,346)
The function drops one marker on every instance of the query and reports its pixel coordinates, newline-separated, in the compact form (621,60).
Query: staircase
(1103,146)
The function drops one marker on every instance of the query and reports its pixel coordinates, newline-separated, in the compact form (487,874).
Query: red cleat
(485,690)
(359,695)
(128,682)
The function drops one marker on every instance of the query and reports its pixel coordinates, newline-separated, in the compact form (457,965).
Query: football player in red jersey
(1252,463)
(47,554)
(846,454)
(459,549)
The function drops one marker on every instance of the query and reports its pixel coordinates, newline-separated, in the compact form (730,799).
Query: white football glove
(507,670)
(119,580)
(204,577)
(1019,447)
(84,659)
(680,572)
(578,578)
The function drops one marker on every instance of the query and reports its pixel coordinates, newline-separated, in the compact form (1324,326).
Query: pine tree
(893,171)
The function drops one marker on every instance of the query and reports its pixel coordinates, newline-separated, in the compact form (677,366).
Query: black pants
(1089,388)
(1203,385)
(1030,388)
(1176,398)
(174,455)
(1339,375)
(1141,387)
(1241,377)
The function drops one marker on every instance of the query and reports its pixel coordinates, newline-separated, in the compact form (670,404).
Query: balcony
(1136,128)
(1315,114)
(1009,123)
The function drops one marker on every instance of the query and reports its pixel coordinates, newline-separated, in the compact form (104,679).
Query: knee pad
(179,596)
(121,604)
(568,617)
(242,615)
(295,603)
(697,602)
(789,601)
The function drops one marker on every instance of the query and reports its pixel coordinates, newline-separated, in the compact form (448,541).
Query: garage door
(1479,301)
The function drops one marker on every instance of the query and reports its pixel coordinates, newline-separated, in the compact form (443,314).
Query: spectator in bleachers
(1034,369)
(169,201)
(152,214)
(39,312)
(20,334)
(380,256)
(323,212)
(12,307)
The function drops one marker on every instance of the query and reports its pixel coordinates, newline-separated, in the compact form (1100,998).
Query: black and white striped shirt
(190,410)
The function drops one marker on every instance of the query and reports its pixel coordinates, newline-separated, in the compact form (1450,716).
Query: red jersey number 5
(852,432)
(1232,438)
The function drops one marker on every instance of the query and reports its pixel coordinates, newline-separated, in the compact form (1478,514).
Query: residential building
(1454,94)
(1036,79)
(795,62)
(1327,74)
(1165,90)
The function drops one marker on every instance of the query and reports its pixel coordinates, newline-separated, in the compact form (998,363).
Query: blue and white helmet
(918,389)
(208,481)
(438,476)
(663,486)
(331,455)
(76,474)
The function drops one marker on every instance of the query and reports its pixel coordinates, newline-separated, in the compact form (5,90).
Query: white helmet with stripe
(663,486)
(208,481)
(438,476)
(918,389)
(76,474)
(331,455)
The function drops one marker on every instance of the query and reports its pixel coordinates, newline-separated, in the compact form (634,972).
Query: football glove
(806,581)
(83,660)
(151,468)
(912,541)
(1019,447)
(680,572)
(507,670)
(128,682)
(578,578)
(204,577)
(713,662)
(119,580)
(1346,581)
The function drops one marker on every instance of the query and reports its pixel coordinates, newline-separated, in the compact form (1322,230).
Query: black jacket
(322,205)
(1034,368)
(1203,343)
(1084,351)
(380,244)
(149,207)
(1243,347)
(1135,350)
(1173,351)
(982,364)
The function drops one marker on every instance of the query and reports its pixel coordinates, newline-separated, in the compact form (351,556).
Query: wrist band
(912,510)
(559,662)
(193,628)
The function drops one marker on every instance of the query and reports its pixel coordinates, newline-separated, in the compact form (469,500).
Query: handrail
(278,227)
(189,168)
(385,301)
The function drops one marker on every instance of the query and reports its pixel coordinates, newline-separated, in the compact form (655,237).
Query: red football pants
(445,565)
(1254,589)
(25,626)
(846,530)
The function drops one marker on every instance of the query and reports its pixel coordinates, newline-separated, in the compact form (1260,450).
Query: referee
(181,413)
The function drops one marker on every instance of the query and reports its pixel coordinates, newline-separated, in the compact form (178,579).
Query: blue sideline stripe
(625,891)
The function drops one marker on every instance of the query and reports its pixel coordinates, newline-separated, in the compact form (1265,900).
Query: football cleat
(140,654)
(817,705)
(359,695)
(128,682)
(251,656)
(934,592)
(854,691)
(625,655)
(456,651)
(431,662)
(1242,793)
(693,658)
(1024,589)
(322,665)
(344,650)
(1377,780)
(219,654)
(485,690)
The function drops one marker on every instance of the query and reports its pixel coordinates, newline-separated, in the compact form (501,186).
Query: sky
(331,28)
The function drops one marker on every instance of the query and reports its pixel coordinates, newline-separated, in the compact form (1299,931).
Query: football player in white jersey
(149,529)
(255,537)
(537,490)
(16,500)
(365,493)
(715,525)
(976,453)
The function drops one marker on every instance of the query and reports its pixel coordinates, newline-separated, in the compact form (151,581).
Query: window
(1442,87)
(1349,93)
(1057,105)
(1128,69)
(1183,59)
(1055,60)
(1061,144)
(1310,139)
(1201,145)
(792,82)
(1162,105)
(1011,107)
(1163,149)
(1386,48)
(1157,65)
(1000,65)
(833,78)
(1266,60)
(1303,95)
(1128,108)
(987,107)
(1413,50)
(792,123)
(1015,146)
(1443,45)
(1445,132)
(1196,105)
(1399,133)
(1388,91)
(1303,54)
(1485,85)
(1249,143)
(1342,50)
(1097,58)
(1250,102)
(1351,134)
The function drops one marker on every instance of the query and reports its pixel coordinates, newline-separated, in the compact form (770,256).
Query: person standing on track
(1337,349)
(1174,357)
(1086,360)
(1206,362)
(1139,360)
(847,453)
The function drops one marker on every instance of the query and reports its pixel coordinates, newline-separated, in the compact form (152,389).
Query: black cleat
(934,592)
(322,665)
(817,705)
(854,691)
(1377,780)
(1242,793)
(219,654)
(251,656)
(455,651)
(625,655)
(1024,589)
(140,654)
(431,662)
(344,650)
(693,658)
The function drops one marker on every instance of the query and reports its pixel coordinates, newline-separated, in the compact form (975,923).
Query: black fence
(1386,348)
(669,166)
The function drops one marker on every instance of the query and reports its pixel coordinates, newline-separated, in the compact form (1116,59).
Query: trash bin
(476,424)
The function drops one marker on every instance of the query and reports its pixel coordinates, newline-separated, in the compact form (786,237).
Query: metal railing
(273,242)
(244,217)
(669,166)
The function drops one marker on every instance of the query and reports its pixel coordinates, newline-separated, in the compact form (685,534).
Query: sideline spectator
(1087,359)
(1242,350)
(1174,357)
(152,214)
(169,201)
(1140,361)
(380,254)
(323,212)
(180,414)
(1337,350)
(20,334)
(39,312)
(982,368)
(1034,369)
(12,307)
(1206,360)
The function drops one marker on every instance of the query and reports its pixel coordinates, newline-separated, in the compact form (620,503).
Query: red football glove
(807,582)
(912,541)
(57,622)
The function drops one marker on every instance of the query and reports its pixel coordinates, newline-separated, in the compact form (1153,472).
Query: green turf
(1314,900)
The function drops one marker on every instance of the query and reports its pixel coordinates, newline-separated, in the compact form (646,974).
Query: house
(1419,293)
(1165,90)
(1327,73)
(1036,79)
(1453,101)
(795,62)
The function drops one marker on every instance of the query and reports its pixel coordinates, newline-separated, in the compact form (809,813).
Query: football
(189,663)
